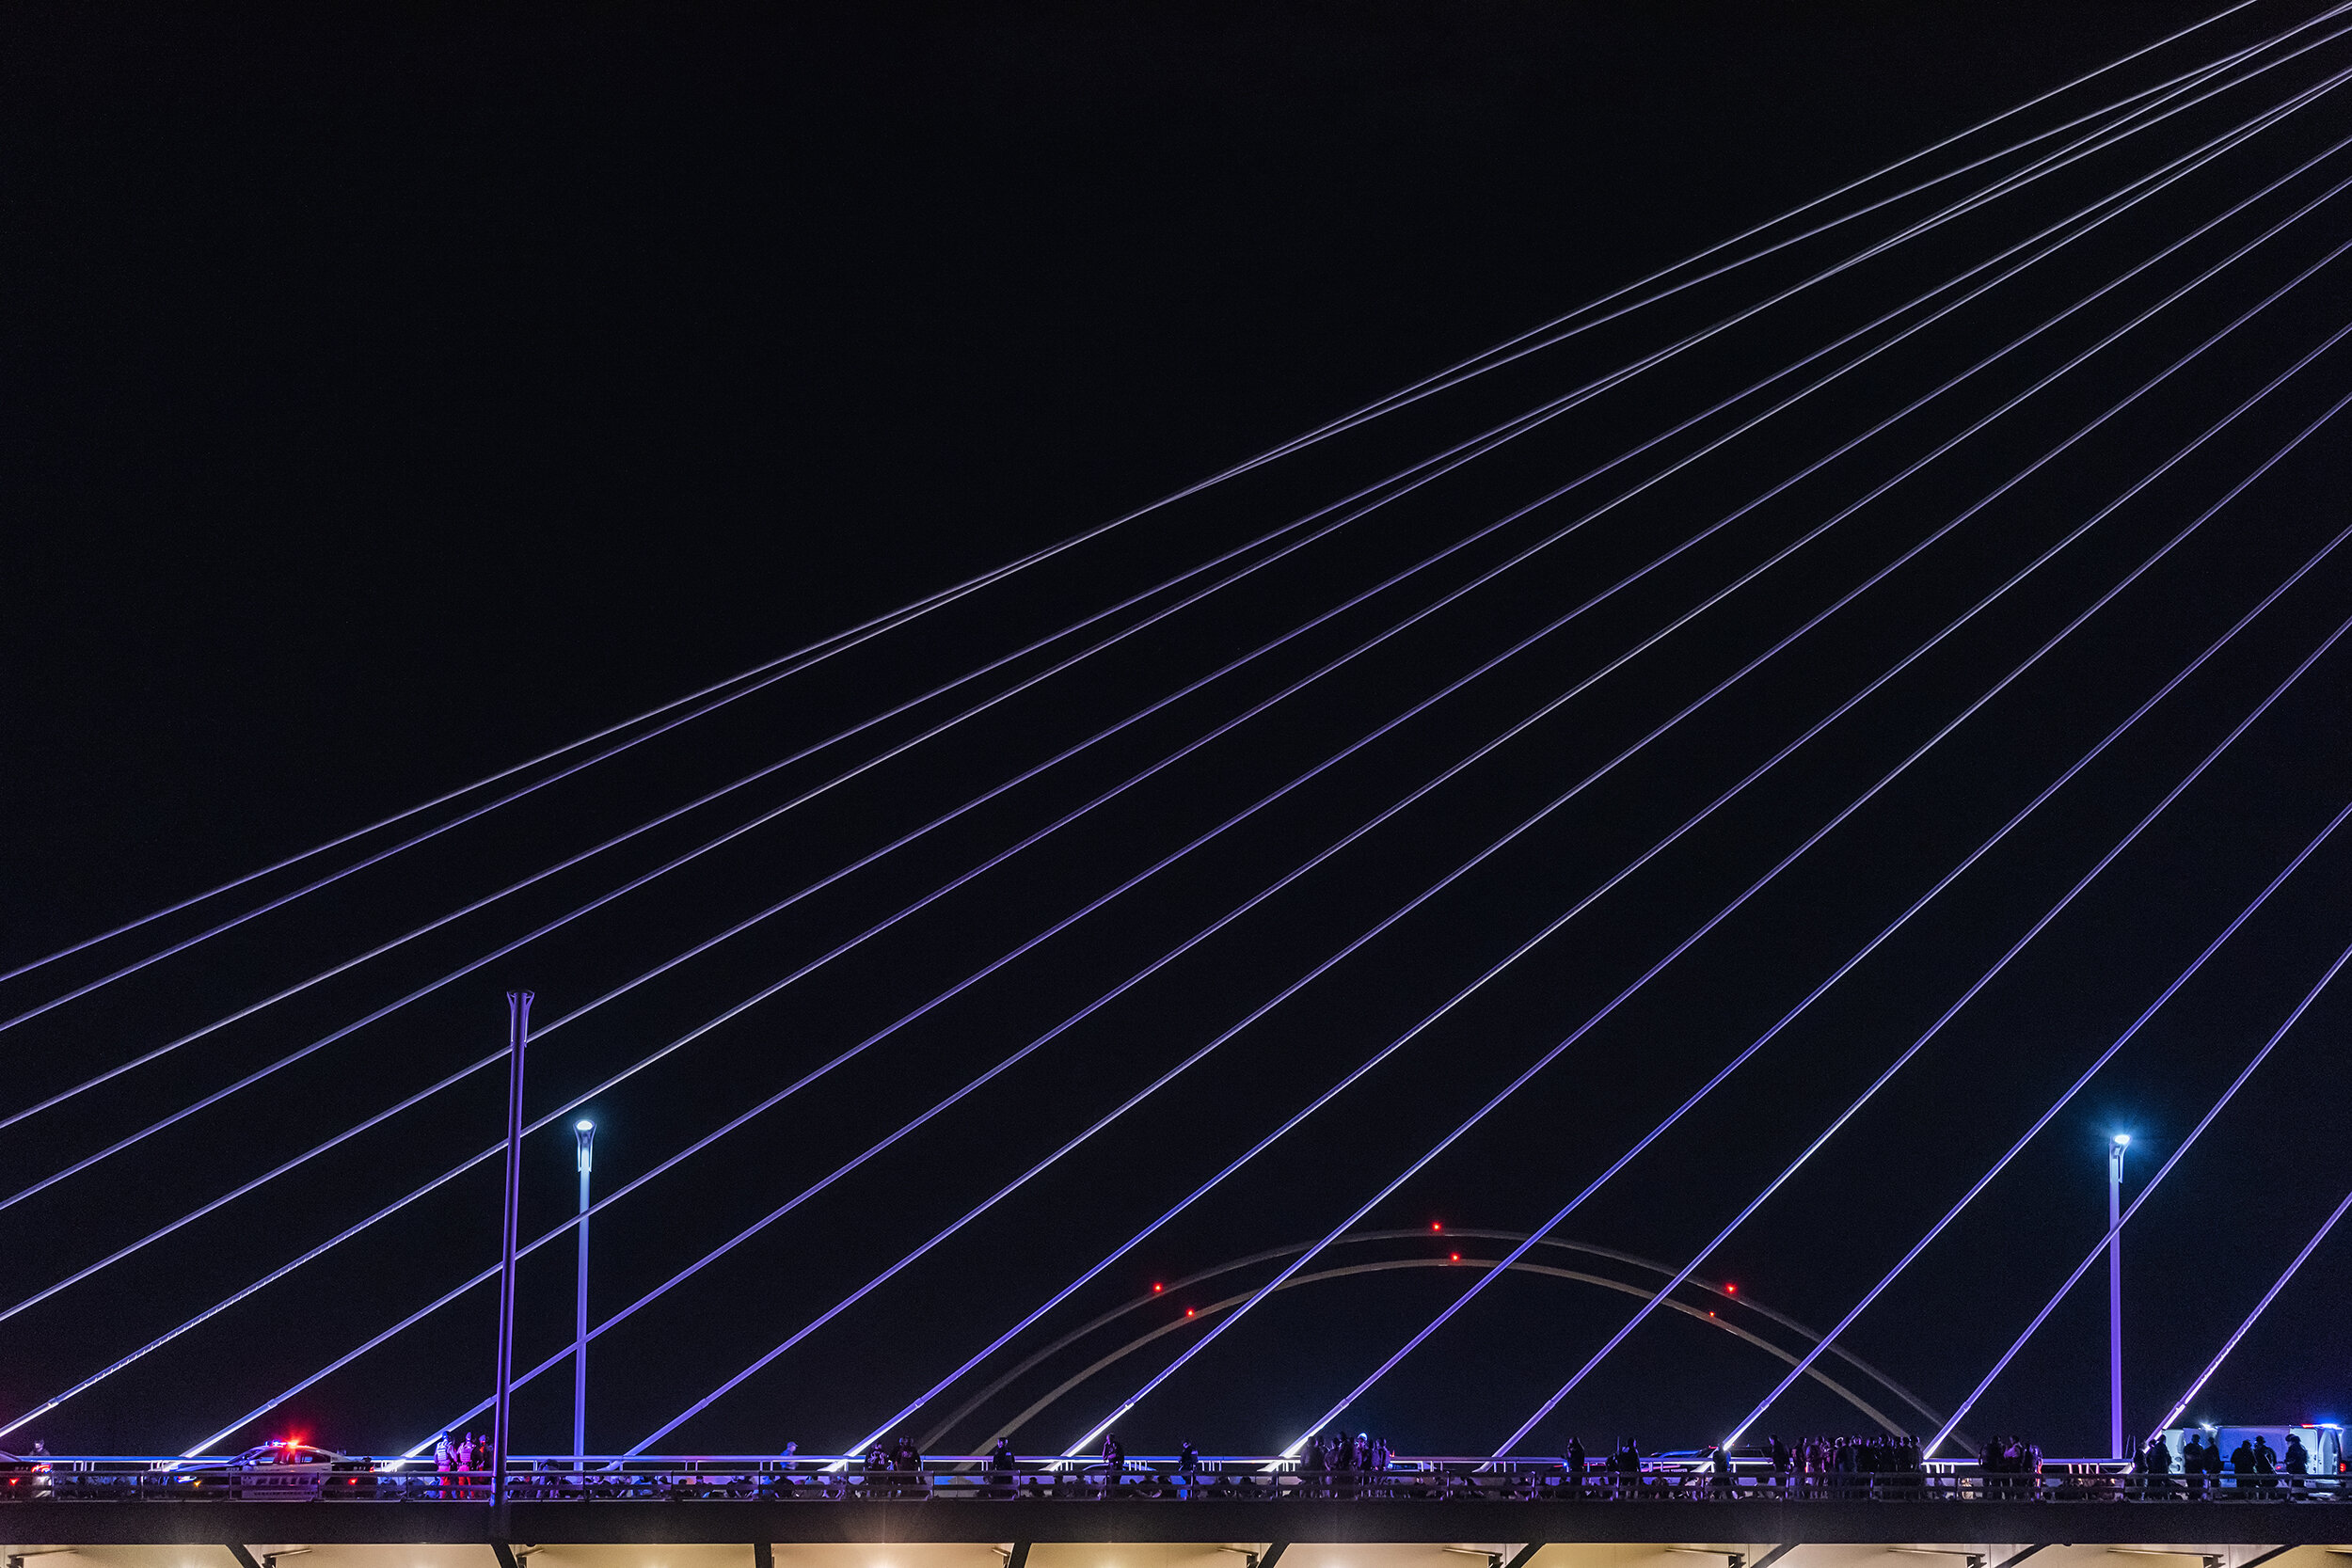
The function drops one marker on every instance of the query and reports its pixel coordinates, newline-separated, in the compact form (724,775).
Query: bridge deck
(165,1523)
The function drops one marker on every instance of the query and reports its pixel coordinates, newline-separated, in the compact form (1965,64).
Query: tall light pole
(2116,1146)
(584,1135)
(502,1435)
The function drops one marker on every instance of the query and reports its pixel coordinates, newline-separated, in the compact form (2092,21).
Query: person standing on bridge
(1000,1465)
(908,1459)
(2296,1462)
(1114,1465)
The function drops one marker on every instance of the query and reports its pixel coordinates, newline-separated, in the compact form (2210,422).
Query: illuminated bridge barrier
(753,1513)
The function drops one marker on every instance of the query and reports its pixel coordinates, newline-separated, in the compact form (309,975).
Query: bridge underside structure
(1051,1534)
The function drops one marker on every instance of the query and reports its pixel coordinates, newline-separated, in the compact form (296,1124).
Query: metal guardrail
(975,1479)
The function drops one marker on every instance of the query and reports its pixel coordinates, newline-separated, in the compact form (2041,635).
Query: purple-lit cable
(991,1348)
(765,1105)
(738,783)
(1480,363)
(2259,1308)
(389,1333)
(842,1172)
(1367,939)
(1728,910)
(1934,1231)
(825,648)
(2086,146)
(1966,997)
(756,1366)
(1886,933)
(1003,1065)
(378,1340)
(2122,1220)
(1509,431)
(1459,455)
(1536,339)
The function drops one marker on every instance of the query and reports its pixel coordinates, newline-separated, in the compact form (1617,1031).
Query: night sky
(395,393)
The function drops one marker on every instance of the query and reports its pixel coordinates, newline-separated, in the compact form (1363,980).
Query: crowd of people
(1875,1465)
(1334,1465)
(464,1455)
(1336,1455)
(2253,1465)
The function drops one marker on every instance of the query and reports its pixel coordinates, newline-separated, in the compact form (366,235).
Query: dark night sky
(396,392)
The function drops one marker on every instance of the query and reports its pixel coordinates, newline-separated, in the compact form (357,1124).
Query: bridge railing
(356,1479)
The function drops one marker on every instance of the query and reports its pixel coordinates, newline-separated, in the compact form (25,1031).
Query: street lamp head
(584,1126)
(2123,1140)
(584,1143)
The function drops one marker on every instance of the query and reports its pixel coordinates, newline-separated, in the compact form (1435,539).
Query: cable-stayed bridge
(1697,738)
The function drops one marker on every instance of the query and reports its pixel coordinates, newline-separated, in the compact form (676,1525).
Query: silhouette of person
(1000,1464)
(2156,1463)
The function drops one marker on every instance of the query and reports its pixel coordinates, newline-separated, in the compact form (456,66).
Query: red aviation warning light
(1156,1289)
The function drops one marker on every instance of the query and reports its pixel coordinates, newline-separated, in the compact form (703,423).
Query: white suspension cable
(2122,1220)
(914,608)
(1887,932)
(2252,1318)
(452,1296)
(2183,166)
(1226,1322)
(1507,432)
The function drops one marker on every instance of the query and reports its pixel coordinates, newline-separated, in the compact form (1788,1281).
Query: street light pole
(2116,1146)
(584,1136)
